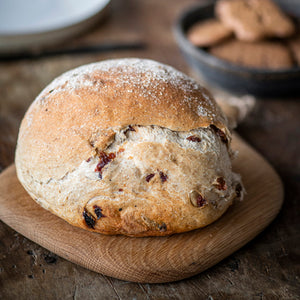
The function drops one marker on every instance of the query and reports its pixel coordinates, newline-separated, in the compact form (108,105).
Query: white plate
(28,24)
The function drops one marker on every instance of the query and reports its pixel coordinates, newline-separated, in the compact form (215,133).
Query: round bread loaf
(127,146)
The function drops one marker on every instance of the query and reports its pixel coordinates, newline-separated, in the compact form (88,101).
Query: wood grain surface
(154,259)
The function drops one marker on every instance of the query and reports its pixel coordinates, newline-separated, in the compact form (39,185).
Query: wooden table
(266,268)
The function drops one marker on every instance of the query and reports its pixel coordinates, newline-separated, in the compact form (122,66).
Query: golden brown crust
(86,114)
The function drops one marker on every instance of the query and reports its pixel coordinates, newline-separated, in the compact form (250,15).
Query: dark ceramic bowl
(239,79)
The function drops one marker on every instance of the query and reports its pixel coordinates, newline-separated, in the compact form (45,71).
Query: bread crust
(116,106)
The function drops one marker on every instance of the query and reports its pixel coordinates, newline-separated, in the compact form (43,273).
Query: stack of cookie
(252,33)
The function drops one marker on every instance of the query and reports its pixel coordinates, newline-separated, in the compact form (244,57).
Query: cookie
(252,20)
(128,146)
(262,55)
(207,33)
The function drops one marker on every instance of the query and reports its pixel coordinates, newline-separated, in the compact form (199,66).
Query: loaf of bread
(128,146)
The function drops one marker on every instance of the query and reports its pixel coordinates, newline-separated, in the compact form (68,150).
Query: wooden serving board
(153,259)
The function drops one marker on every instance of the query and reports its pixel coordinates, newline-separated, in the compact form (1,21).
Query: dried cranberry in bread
(127,146)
